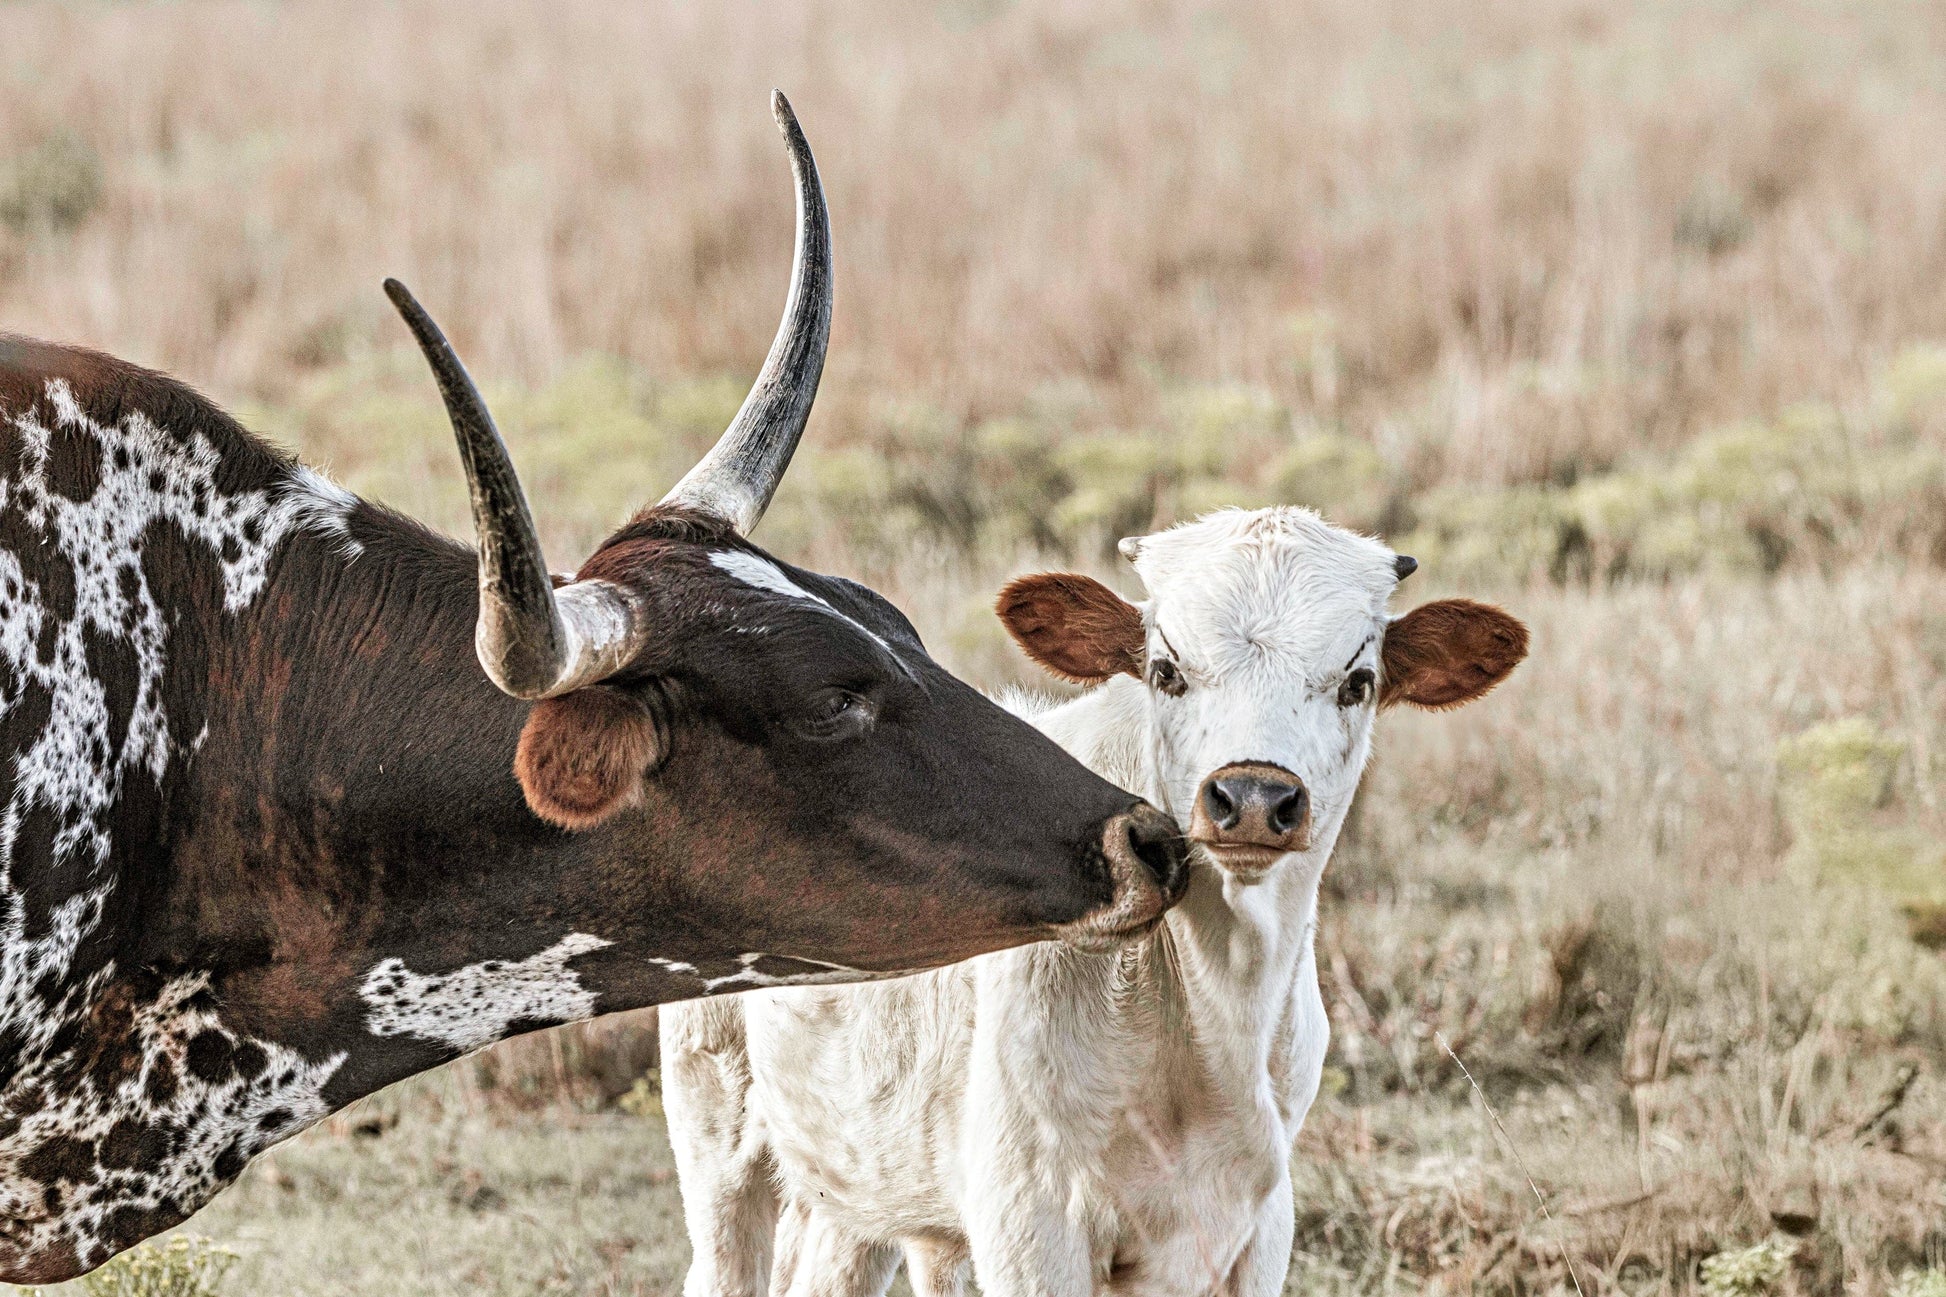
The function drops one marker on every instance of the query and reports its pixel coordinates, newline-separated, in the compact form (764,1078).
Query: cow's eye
(1356,691)
(1164,676)
(837,714)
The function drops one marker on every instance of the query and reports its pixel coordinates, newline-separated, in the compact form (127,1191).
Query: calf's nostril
(1220,804)
(1289,810)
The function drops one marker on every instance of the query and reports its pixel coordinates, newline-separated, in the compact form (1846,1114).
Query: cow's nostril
(1154,839)
(1220,804)
(1147,840)
(1289,810)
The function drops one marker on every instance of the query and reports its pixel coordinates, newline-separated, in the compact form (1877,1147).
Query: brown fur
(582,757)
(1074,626)
(1449,652)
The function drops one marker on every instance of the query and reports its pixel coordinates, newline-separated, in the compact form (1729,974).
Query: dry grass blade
(1513,1148)
(1890,1101)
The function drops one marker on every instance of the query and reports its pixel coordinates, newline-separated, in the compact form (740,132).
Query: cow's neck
(1243,956)
(398,902)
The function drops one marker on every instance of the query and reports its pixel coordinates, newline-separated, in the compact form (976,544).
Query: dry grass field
(1630,316)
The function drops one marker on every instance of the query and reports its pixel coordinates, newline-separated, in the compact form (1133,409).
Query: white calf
(1063,1122)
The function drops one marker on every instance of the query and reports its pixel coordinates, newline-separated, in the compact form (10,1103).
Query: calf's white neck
(1243,952)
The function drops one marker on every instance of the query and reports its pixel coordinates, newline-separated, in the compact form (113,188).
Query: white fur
(473,1006)
(1070,1123)
(763,574)
(323,507)
(284,1099)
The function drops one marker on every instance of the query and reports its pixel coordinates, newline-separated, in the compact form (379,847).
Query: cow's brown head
(778,738)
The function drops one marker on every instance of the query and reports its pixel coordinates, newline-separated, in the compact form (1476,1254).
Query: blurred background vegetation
(1630,316)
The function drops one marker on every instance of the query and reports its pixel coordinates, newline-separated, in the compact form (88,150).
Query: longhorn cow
(270,840)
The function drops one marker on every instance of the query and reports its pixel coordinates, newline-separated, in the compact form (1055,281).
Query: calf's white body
(1067,1122)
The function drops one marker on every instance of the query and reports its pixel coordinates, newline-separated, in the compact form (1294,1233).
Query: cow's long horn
(533,641)
(740,473)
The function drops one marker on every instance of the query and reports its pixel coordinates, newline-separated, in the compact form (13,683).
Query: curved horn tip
(736,479)
(794,140)
(415,316)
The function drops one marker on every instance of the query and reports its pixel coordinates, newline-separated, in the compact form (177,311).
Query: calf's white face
(1264,650)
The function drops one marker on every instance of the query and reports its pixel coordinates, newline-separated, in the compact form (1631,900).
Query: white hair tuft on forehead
(1281,587)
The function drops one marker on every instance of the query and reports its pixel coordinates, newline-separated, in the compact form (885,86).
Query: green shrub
(1208,423)
(644,1098)
(1913,386)
(1839,772)
(1521,532)
(1838,782)
(1747,1272)
(1838,785)
(1341,477)
(1803,488)
(54,186)
(1751,498)
(1921,1283)
(186,1265)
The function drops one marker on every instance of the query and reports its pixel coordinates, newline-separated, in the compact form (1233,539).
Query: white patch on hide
(472,1007)
(279,1096)
(761,573)
(321,506)
(75,767)
(748,974)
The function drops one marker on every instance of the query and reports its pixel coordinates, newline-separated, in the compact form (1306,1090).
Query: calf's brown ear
(583,756)
(1074,626)
(1449,652)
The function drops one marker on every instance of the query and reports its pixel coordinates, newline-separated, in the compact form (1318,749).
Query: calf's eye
(1164,676)
(1357,688)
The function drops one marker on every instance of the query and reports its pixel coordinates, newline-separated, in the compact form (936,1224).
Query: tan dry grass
(1500,243)
(1585,884)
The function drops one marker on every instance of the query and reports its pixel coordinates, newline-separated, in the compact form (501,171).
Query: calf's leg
(937,1268)
(1261,1268)
(729,1202)
(815,1258)
(1025,1246)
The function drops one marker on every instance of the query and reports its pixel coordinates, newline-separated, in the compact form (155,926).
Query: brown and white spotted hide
(126,1099)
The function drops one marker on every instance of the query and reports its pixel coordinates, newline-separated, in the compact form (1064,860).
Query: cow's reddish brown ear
(1074,626)
(1449,652)
(583,756)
